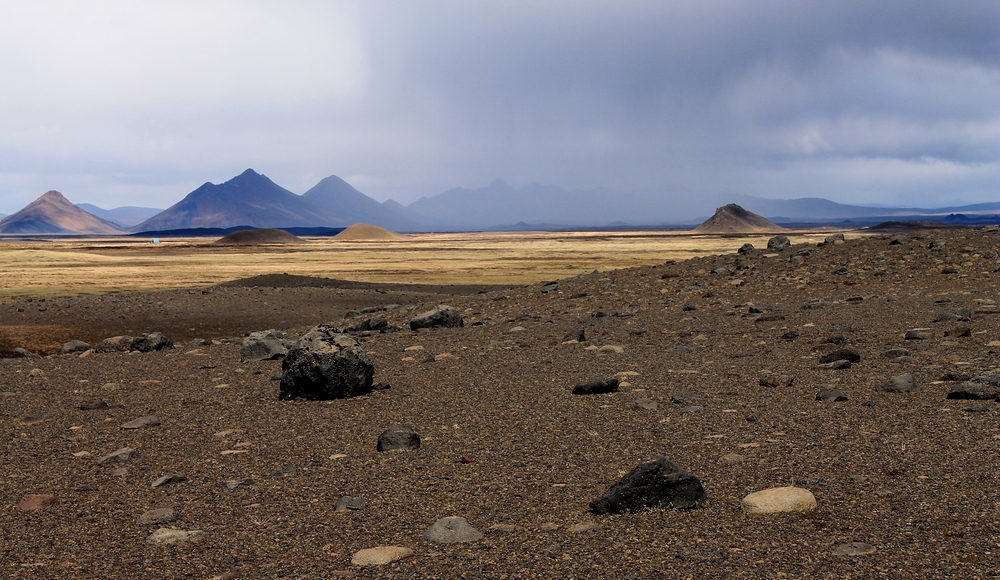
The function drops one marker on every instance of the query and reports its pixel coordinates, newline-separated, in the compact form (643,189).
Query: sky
(135,102)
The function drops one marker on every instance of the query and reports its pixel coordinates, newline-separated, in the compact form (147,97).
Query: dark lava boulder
(74,347)
(114,344)
(377,322)
(398,438)
(778,243)
(263,345)
(842,354)
(151,342)
(442,315)
(659,483)
(597,386)
(325,364)
(973,391)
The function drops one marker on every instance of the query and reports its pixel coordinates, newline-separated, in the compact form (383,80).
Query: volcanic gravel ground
(234,308)
(913,474)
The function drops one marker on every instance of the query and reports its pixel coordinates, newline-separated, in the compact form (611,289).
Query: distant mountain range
(500,206)
(125,217)
(251,200)
(351,206)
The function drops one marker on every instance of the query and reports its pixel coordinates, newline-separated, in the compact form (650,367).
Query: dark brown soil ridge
(259,236)
(297,281)
(915,226)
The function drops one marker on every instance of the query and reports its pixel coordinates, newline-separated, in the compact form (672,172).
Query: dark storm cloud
(858,101)
(713,95)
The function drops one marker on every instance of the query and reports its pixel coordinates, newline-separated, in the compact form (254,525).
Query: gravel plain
(504,442)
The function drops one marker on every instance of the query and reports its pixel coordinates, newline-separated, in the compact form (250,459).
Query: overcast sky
(138,103)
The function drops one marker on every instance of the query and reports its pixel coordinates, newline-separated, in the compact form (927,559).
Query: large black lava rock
(151,342)
(446,316)
(325,364)
(842,354)
(973,391)
(659,483)
(597,386)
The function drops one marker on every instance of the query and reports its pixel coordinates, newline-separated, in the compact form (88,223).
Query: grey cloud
(862,101)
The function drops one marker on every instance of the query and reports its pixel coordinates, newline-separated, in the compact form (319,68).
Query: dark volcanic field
(913,474)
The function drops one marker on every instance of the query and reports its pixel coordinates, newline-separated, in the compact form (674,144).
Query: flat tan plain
(65,267)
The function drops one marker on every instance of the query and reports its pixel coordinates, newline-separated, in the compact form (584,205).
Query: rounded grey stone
(398,438)
(451,530)
(74,347)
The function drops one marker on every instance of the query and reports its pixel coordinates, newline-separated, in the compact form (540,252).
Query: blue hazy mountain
(249,199)
(126,216)
(351,206)
(499,203)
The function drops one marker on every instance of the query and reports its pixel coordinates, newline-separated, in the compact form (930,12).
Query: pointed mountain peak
(499,184)
(333,179)
(731,218)
(52,213)
(248,177)
(249,199)
(53,195)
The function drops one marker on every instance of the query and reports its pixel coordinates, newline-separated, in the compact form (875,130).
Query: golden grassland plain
(71,266)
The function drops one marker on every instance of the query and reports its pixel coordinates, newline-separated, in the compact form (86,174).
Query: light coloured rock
(141,422)
(451,530)
(167,536)
(854,549)
(611,348)
(380,555)
(645,404)
(36,501)
(779,499)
